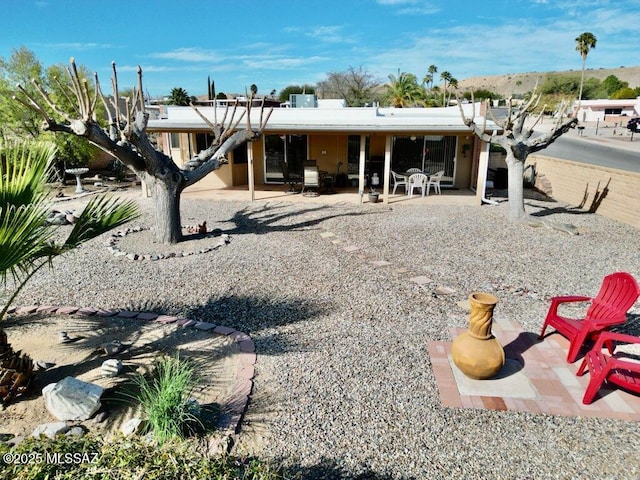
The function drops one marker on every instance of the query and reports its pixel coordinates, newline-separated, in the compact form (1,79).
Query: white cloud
(189,55)
(76,45)
(411,7)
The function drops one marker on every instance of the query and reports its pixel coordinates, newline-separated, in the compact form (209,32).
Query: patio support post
(387,169)
(363,143)
(252,190)
(483,166)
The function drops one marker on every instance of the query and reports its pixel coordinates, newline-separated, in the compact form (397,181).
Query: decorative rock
(75,432)
(132,426)
(50,430)
(100,417)
(57,218)
(111,367)
(72,399)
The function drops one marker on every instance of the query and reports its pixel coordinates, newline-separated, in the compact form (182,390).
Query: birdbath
(78,172)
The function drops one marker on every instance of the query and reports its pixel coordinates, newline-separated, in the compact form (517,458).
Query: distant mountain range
(520,83)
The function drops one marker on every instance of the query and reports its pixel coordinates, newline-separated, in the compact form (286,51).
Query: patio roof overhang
(350,120)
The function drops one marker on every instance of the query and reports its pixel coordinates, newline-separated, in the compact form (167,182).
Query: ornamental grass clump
(165,396)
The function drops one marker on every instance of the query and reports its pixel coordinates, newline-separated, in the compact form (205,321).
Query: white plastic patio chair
(417,180)
(434,180)
(399,180)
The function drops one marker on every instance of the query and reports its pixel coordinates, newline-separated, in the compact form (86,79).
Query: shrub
(122,459)
(165,398)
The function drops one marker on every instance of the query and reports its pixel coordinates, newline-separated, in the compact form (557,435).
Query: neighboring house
(607,110)
(356,141)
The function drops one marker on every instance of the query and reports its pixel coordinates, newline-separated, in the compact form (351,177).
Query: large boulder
(72,399)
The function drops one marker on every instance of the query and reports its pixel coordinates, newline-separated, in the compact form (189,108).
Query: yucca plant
(27,241)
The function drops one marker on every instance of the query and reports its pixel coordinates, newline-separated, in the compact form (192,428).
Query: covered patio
(350,146)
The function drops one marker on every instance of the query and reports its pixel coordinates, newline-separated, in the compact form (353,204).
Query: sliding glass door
(281,149)
(430,153)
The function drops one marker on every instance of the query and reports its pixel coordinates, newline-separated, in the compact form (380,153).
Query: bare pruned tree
(518,139)
(126,139)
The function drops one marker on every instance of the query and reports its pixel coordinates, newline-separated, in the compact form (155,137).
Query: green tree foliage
(625,92)
(403,90)
(179,96)
(612,84)
(283,96)
(482,94)
(561,84)
(17,121)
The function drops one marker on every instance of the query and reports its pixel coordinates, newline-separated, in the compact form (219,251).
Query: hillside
(519,83)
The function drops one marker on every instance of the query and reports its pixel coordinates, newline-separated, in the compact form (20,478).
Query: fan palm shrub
(27,241)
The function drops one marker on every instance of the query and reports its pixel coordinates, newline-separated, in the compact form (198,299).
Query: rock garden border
(112,246)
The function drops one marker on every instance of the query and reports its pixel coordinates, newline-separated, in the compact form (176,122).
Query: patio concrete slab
(538,380)
(510,381)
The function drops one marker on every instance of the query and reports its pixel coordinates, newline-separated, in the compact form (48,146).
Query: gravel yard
(344,386)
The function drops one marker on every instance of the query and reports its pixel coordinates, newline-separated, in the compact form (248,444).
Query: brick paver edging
(229,421)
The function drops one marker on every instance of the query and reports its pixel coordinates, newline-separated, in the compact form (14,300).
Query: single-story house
(603,110)
(356,142)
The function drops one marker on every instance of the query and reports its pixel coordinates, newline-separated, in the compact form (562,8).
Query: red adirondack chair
(617,294)
(608,368)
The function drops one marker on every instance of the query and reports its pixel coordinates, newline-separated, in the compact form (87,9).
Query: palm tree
(179,96)
(445,77)
(432,71)
(27,241)
(428,80)
(584,42)
(404,90)
(453,84)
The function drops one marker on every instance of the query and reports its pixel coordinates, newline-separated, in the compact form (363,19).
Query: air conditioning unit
(303,100)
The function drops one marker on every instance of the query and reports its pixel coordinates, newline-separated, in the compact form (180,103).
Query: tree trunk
(166,195)
(516,188)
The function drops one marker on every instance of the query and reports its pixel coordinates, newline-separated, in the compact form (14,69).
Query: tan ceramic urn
(476,352)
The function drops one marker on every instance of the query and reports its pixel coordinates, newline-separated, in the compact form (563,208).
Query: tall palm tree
(428,80)
(584,42)
(404,90)
(453,84)
(27,241)
(432,71)
(445,77)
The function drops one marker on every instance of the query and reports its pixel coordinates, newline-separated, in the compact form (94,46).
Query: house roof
(629,102)
(336,119)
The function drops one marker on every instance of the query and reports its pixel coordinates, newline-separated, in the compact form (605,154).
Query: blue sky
(277,43)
